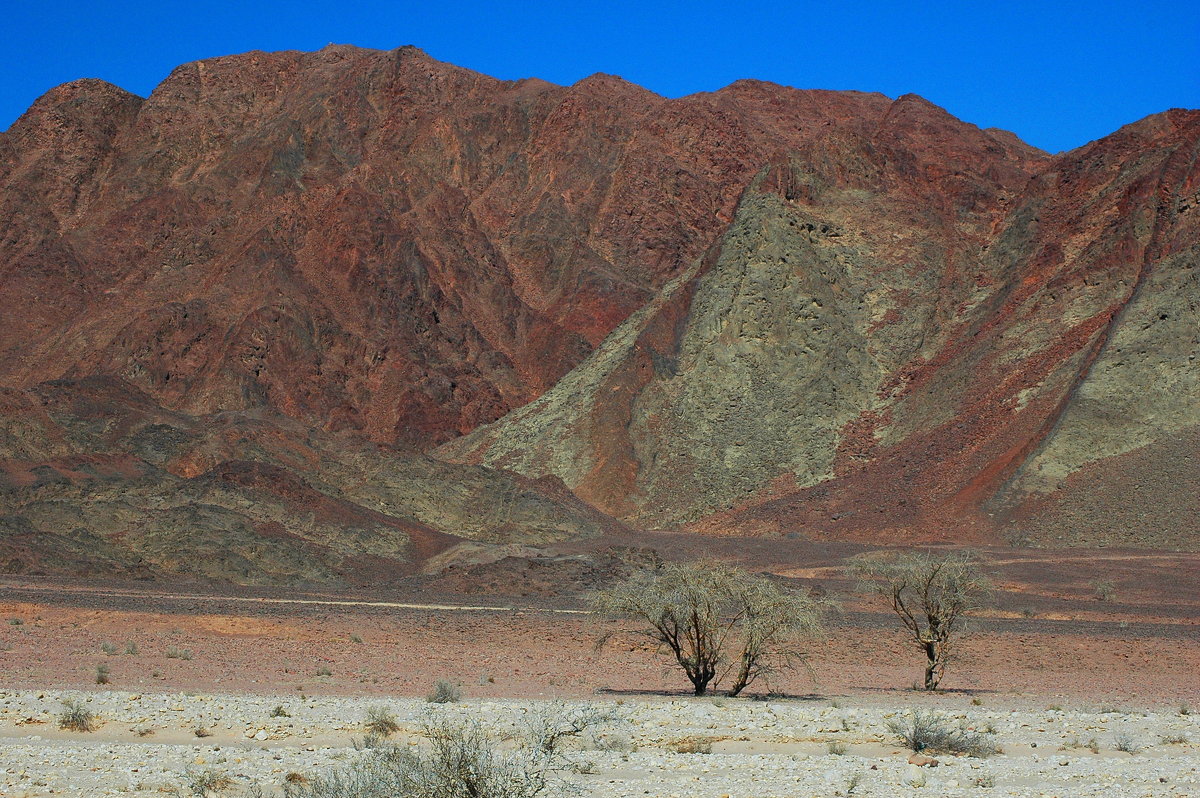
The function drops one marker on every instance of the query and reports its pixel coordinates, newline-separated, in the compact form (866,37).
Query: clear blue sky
(1059,74)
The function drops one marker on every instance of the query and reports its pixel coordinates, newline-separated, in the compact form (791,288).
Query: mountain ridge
(759,310)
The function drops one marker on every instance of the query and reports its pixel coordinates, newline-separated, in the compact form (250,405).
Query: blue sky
(1059,74)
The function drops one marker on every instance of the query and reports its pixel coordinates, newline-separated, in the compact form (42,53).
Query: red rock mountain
(753,311)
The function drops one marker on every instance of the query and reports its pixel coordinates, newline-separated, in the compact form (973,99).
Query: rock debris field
(148,744)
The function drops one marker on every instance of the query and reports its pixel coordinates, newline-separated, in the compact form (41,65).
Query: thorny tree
(931,594)
(717,620)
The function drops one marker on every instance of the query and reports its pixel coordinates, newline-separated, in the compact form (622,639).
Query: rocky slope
(754,311)
(817,376)
(97,479)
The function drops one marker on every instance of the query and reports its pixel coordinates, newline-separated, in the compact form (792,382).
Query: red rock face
(828,313)
(369,241)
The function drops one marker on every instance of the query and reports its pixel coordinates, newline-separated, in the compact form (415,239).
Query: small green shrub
(837,748)
(102,674)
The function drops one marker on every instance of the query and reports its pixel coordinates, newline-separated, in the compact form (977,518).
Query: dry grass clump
(692,745)
(76,717)
(204,783)
(381,722)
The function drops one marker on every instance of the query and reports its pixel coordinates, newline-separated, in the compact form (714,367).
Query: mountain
(754,311)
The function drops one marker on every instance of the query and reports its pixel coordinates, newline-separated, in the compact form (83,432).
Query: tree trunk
(931,665)
(743,677)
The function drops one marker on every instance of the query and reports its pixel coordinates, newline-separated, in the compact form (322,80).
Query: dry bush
(204,783)
(444,692)
(1123,740)
(717,621)
(102,674)
(460,759)
(381,722)
(926,732)
(931,594)
(76,717)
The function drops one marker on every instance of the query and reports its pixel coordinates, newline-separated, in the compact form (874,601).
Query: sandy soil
(184,657)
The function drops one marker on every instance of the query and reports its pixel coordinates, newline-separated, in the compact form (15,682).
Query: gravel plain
(145,745)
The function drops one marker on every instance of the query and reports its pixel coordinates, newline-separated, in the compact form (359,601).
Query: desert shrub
(717,621)
(324,670)
(1185,708)
(108,648)
(1124,741)
(1174,739)
(201,731)
(444,692)
(280,711)
(1103,589)
(837,748)
(102,674)
(926,732)
(204,783)
(852,784)
(931,594)
(131,647)
(550,728)
(380,721)
(460,760)
(76,717)
(355,638)
(15,622)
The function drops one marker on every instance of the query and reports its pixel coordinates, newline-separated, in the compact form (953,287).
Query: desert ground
(1082,650)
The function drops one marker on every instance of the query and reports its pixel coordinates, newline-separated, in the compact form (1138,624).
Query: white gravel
(758,749)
